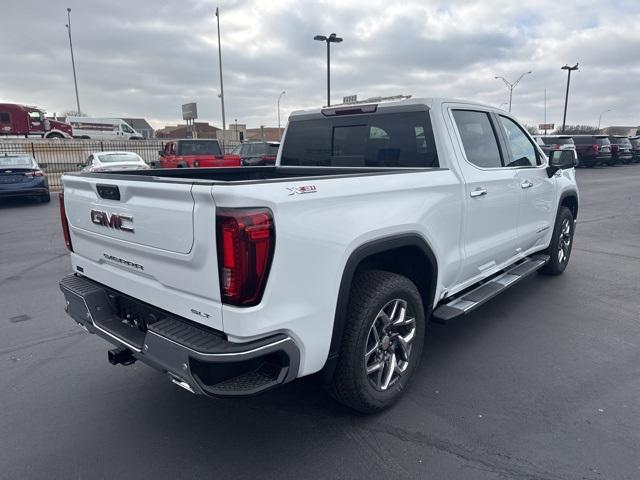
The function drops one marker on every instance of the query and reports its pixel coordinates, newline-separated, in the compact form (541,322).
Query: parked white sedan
(107,161)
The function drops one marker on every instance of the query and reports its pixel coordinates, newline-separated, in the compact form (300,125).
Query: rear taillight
(245,240)
(35,173)
(65,224)
(556,146)
(596,147)
(615,148)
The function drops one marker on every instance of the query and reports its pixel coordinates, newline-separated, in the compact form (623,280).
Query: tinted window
(4,117)
(478,138)
(237,150)
(119,157)
(601,141)
(199,147)
(378,140)
(16,161)
(262,149)
(621,141)
(559,140)
(127,129)
(523,153)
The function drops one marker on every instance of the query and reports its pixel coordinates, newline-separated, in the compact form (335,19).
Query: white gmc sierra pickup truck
(375,220)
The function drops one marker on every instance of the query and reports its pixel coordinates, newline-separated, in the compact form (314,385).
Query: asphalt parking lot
(541,383)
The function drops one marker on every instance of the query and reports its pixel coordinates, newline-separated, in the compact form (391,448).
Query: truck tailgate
(155,243)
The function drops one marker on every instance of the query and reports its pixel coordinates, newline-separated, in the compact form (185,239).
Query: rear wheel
(46,198)
(561,244)
(382,341)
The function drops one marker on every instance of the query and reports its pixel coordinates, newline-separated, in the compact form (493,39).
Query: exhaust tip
(121,356)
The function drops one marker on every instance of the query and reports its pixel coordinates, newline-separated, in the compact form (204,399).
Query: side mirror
(561,160)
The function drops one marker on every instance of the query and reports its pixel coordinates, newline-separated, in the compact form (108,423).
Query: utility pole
(511,86)
(224,124)
(279,97)
(73,63)
(333,38)
(566,97)
(600,117)
(545,110)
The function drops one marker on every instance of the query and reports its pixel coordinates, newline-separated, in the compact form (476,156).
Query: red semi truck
(24,121)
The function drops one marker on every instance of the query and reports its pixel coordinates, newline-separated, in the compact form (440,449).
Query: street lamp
(224,124)
(279,97)
(237,138)
(566,97)
(333,38)
(73,63)
(600,117)
(511,86)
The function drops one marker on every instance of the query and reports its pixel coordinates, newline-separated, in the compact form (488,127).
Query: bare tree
(532,129)
(73,113)
(577,130)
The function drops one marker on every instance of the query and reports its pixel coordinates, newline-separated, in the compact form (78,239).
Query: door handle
(526,184)
(478,192)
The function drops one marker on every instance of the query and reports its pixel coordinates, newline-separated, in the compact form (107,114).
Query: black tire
(46,198)
(561,241)
(372,293)
(55,136)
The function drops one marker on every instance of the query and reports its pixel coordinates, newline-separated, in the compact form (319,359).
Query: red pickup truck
(195,153)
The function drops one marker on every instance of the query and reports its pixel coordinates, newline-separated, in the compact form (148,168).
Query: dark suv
(593,150)
(620,149)
(257,152)
(554,142)
(635,148)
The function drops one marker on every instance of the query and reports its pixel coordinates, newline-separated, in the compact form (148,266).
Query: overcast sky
(145,58)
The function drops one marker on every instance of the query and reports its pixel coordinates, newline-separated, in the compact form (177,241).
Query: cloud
(146,58)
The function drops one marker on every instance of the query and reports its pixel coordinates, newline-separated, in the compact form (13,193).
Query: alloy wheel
(564,242)
(389,342)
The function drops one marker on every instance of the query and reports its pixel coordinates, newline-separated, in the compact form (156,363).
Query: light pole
(237,138)
(566,97)
(279,97)
(73,63)
(511,86)
(224,123)
(333,38)
(600,117)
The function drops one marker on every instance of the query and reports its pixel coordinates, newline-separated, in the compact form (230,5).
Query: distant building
(270,134)
(202,130)
(141,126)
(625,131)
(235,132)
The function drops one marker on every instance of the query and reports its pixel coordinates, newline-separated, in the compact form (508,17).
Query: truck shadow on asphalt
(19,202)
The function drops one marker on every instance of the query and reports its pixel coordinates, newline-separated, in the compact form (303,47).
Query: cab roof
(408,104)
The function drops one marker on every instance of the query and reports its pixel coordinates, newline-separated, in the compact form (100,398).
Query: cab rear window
(376,140)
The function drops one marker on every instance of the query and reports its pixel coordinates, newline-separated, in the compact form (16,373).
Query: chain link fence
(56,157)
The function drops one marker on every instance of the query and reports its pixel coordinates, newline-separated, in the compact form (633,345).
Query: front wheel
(561,244)
(382,341)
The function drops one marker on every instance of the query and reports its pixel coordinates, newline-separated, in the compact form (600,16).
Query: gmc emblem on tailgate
(112,220)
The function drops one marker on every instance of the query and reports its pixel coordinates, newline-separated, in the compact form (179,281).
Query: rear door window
(374,140)
(478,138)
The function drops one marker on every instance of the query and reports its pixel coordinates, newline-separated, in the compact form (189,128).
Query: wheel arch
(406,254)
(569,199)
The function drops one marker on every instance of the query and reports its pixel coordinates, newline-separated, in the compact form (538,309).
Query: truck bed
(247,174)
